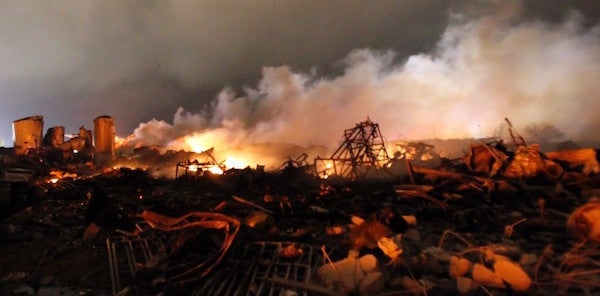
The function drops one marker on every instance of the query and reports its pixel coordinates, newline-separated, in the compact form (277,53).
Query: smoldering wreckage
(505,218)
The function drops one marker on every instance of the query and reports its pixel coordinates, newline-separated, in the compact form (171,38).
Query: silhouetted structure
(362,150)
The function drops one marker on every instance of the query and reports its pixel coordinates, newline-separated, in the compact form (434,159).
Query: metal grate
(250,269)
(257,269)
(125,255)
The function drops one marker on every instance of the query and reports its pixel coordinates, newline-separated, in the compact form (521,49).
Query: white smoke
(482,70)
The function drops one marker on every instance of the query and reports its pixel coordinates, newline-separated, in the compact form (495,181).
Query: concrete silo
(27,134)
(104,139)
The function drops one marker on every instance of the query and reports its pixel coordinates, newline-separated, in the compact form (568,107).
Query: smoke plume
(482,70)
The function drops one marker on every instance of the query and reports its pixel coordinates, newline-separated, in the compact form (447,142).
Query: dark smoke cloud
(420,69)
(75,59)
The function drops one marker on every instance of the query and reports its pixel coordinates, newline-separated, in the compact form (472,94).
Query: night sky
(300,71)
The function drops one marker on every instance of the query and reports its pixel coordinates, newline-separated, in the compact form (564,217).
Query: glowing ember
(56,175)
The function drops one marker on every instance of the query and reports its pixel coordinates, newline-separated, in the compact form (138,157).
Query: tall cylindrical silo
(104,138)
(27,133)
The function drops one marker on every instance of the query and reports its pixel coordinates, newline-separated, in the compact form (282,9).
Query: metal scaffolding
(363,149)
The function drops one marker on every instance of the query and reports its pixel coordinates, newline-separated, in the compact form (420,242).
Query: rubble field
(502,220)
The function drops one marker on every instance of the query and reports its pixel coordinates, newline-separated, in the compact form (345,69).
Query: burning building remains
(505,216)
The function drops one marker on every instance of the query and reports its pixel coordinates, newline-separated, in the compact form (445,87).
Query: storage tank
(55,136)
(104,138)
(27,133)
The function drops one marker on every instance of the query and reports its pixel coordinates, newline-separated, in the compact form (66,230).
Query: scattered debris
(501,219)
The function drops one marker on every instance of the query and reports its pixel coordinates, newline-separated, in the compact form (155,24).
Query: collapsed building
(98,144)
(504,218)
(35,159)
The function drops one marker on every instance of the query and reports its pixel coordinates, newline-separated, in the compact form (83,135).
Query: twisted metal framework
(363,149)
(196,168)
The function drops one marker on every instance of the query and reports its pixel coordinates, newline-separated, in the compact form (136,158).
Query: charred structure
(28,134)
(195,168)
(362,151)
(86,145)
(104,139)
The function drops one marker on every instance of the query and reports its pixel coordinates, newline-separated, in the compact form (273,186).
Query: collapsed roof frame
(363,149)
(196,168)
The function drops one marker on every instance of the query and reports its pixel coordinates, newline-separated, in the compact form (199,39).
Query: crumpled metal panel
(485,159)
(528,162)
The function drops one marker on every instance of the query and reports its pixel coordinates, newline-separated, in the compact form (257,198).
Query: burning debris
(504,217)
(197,168)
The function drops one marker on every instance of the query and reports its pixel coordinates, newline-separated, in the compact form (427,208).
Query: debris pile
(505,218)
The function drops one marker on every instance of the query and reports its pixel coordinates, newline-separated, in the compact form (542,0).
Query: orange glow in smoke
(119,141)
(234,162)
(198,142)
(215,170)
(326,169)
(193,168)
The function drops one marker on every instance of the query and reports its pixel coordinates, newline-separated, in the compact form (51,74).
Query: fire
(197,168)
(215,170)
(235,163)
(196,145)
(205,142)
(119,141)
(193,168)
(201,142)
(56,175)
(325,168)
